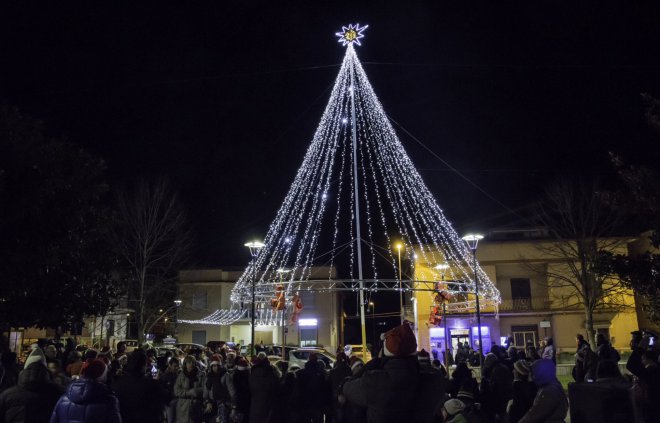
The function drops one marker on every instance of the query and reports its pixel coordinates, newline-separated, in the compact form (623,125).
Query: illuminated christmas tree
(356,195)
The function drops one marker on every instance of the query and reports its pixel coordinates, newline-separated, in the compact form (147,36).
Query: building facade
(534,306)
(204,291)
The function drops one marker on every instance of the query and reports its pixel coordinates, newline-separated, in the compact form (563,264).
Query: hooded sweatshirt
(32,399)
(550,404)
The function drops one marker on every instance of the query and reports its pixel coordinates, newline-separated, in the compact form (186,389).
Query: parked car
(356,350)
(188,347)
(300,356)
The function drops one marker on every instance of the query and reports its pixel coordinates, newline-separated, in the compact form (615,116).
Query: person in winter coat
(550,404)
(10,371)
(237,382)
(168,379)
(264,390)
(604,349)
(496,388)
(524,391)
(33,398)
(643,363)
(88,399)
(549,352)
(189,390)
(585,361)
(141,398)
(462,379)
(396,390)
(216,391)
(339,373)
(310,391)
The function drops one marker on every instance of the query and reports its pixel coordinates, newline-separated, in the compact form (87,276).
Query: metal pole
(476,292)
(254,282)
(356,189)
(400,288)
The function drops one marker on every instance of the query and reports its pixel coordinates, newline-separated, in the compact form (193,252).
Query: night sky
(224,97)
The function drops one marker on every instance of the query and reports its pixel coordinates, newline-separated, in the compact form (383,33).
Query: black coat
(524,392)
(32,399)
(264,392)
(141,399)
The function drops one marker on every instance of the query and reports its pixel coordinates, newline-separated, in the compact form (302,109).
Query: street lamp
(472,241)
(128,326)
(398,247)
(255,247)
(443,268)
(282,272)
(177,304)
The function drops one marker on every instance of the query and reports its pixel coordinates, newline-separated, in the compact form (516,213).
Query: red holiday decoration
(297,308)
(279,302)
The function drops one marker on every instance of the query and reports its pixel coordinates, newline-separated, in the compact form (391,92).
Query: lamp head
(472,240)
(178,303)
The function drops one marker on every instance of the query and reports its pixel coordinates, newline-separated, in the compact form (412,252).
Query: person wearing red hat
(88,399)
(394,389)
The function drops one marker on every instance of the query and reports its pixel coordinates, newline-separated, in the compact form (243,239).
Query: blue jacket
(87,401)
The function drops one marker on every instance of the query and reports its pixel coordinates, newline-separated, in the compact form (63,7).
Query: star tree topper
(351,34)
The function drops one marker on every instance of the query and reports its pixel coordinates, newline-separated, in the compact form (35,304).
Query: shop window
(308,337)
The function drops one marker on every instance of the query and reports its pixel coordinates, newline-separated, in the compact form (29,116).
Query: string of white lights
(317,215)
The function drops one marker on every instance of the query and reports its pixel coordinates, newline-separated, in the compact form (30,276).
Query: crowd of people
(399,385)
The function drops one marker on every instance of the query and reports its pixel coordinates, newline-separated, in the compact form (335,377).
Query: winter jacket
(87,401)
(32,399)
(189,391)
(607,352)
(237,381)
(264,390)
(141,399)
(647,387)
(396,392)
(550,404)
(216,390)
(585,363)
(524,392)
(496,389)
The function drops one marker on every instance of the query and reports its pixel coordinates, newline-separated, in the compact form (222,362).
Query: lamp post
(472,241)
(128,326)
(398,247)
(255,247)
(177,304)
(443,268)
(282,272)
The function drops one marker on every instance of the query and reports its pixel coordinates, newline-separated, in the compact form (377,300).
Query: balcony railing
(525,304)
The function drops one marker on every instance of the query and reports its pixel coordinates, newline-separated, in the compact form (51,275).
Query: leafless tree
(582,222)
(154,240)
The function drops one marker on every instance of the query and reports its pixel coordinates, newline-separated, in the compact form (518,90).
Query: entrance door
(459,335)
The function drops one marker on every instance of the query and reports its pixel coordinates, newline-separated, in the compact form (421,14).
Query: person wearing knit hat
(397,374)
(497,386)
(36,356)
(33,397)
(524,391)
(453,409)
(88,398)
(423,355)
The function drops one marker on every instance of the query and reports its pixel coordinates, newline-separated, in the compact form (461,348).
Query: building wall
(503,261)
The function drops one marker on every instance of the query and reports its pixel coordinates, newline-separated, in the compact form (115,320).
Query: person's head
(399,341)
(521,370)
(137,363)
(90,354)
(490,360)
(544,372)
(423,356)
(436,364)
(121,347)
(231,360)
(579,339)
(173,365)
(36,356)
(454,407)
(600,339)
(189,364)
(94,369)
(512,352)
(462,371)
(549,341)
(607,369)
(51,351)
(75,356)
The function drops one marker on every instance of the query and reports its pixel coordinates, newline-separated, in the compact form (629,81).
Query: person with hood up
(550,404)
(189,390)
(396,390)
(462,380)
(88,399)
(33,398)
(237,382)
(452,411)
